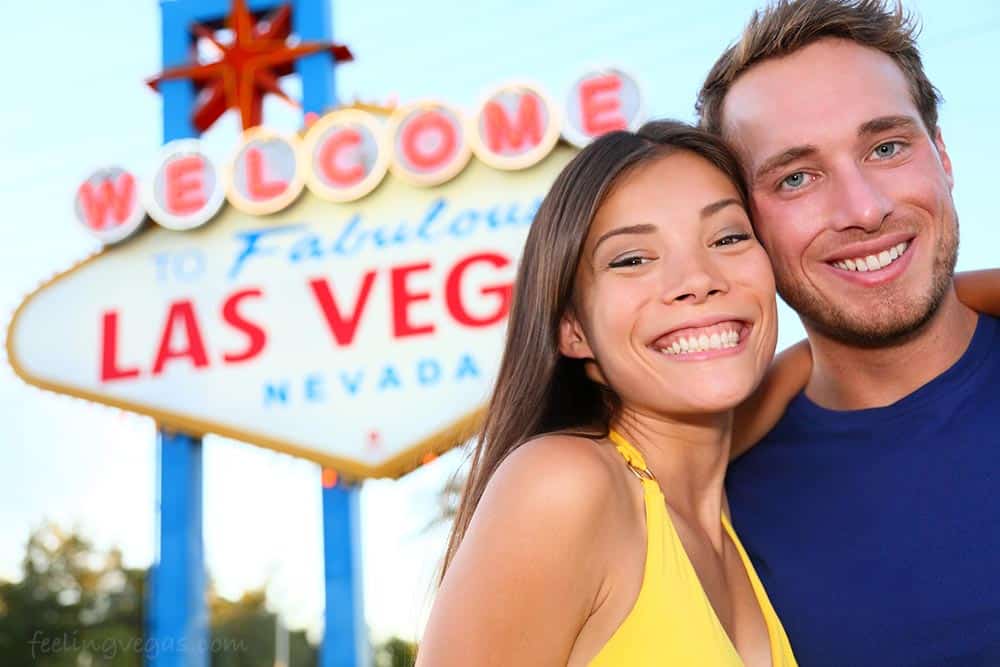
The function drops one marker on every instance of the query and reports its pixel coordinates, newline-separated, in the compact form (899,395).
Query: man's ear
(572,340)
(945,160)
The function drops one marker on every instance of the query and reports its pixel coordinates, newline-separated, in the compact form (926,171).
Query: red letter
(401,300)
(343,329)
(429,160)
(453,291)
(181,312)
(257,187)
(327,159)
(500,133)
(116,198)
(109,350)
(600,105)
(231,315)
(184,186)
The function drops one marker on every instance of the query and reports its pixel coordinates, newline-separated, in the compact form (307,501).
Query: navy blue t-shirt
(877,532)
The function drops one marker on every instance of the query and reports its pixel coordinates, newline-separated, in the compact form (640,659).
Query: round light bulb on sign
(108,204)
(266,174)
(347,153)
(429,143)
(602,101)
(186,189)
(516,126)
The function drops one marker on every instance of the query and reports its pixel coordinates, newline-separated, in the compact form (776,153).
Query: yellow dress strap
(781,650)
(633,458)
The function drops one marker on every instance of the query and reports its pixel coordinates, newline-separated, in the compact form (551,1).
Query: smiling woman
(592,530)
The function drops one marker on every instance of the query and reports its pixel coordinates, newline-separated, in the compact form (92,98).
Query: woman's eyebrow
(643,228)
(715,207)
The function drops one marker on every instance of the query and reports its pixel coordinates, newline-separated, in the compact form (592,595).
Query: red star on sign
(249,66)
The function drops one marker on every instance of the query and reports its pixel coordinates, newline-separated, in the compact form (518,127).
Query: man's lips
(856,251)
(873,270)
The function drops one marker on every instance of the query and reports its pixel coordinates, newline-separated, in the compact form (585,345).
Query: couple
(595,527)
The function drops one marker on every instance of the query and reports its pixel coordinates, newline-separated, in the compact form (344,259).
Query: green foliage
(75,606)
(243,634)
(72,606)
(396,652)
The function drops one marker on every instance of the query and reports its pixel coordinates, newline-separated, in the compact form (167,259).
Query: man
(870,510)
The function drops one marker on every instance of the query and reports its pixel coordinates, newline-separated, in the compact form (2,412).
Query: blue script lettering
(251,248)
(439,222)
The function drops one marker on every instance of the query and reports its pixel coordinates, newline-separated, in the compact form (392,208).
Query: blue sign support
(178,629)
(345,637)
(178,619)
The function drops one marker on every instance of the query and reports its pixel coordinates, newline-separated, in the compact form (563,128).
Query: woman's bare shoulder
(557,475)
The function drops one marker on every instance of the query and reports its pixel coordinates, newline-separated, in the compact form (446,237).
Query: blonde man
(871,509)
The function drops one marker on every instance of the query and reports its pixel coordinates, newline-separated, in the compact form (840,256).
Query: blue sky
(75,100)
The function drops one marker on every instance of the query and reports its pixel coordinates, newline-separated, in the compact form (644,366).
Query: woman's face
(674,297)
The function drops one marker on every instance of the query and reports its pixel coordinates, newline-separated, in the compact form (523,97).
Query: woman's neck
(687,455)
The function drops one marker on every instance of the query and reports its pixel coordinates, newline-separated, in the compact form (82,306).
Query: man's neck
(846,377)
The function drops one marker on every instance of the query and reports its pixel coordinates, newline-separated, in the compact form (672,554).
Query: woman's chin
(716,398)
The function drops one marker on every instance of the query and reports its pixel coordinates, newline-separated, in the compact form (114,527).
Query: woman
(644,313)
(593,529)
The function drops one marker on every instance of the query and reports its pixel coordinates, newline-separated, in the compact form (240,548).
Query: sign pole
(177,607)
(178,617)
(345,637)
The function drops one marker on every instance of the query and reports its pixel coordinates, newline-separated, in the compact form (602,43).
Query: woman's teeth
(874,262)
(717,339)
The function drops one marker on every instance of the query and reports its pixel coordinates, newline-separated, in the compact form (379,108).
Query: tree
(395,652)
(73,605)
(448,500)
(243,634)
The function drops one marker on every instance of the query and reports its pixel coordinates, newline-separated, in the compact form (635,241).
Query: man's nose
(859,201)
(694,279)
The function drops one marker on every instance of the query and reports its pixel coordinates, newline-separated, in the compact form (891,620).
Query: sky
(74,99)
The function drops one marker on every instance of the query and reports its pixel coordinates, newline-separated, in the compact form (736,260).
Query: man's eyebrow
(783,158)
(644,228)
(884,123)
(715,207)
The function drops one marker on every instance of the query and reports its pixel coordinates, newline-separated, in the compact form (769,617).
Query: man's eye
(794,181)
(733,239)
(631,260)
(886,150)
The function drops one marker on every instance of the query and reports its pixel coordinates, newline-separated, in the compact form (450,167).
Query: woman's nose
(698,280)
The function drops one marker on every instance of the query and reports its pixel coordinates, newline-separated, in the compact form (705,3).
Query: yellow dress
(672,621)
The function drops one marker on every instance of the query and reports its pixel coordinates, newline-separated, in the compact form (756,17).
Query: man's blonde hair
(786,26)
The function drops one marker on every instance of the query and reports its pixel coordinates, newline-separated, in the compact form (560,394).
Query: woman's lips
(704,342)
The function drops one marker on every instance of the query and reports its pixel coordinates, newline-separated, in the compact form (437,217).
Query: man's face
(851,196)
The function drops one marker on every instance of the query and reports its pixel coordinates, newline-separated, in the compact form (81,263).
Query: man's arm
(979,290)
(761,411)
(788,375)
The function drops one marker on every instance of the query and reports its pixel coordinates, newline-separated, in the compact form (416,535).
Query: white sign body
(362,335)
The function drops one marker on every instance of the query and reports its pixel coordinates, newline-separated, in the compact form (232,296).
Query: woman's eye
(631,260)
(732,239)
(886,150)
(794,181)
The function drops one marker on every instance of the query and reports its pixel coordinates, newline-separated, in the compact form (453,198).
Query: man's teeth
(716,341)
(874,262)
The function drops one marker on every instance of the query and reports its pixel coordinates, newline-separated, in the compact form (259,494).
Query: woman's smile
(700,342)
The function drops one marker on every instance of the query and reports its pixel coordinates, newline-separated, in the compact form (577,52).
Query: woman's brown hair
(537,389)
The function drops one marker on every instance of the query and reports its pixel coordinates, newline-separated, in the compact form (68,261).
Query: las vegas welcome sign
(339,296)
